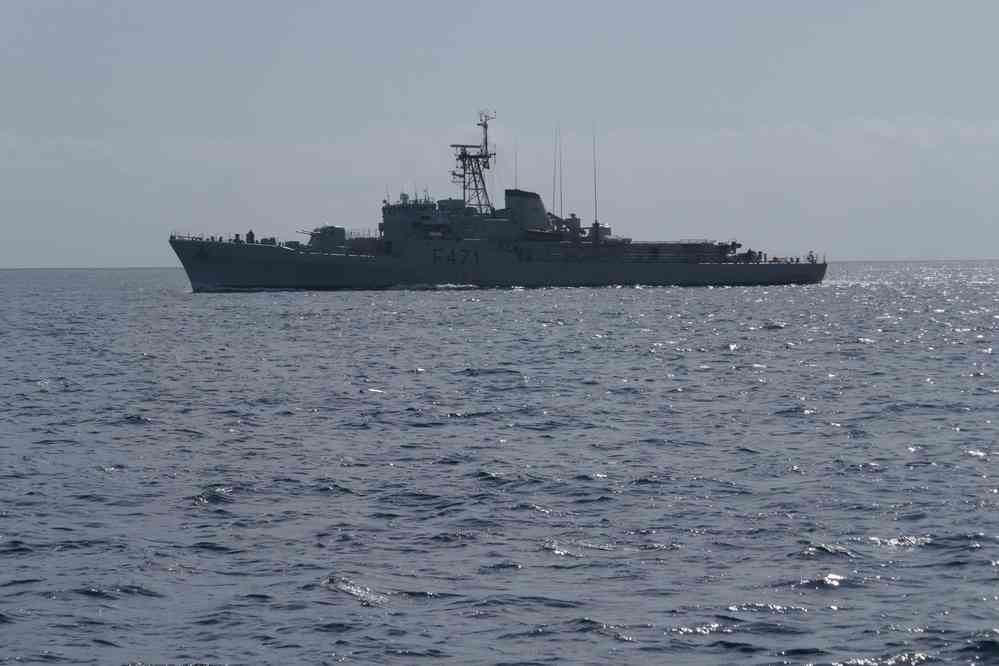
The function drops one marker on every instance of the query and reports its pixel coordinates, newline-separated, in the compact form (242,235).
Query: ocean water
(702,476)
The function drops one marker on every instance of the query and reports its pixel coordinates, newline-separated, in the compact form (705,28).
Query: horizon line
(179,267)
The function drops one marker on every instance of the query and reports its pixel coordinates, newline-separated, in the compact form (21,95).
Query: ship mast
(595,177)
(472,162)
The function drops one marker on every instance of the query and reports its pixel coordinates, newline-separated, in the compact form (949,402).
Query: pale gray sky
(865,130)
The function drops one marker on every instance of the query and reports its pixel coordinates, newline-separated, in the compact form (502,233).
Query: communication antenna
(515,184)
(555,174)
(561,172)
(594,175)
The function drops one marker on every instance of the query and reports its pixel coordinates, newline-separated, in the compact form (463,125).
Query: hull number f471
(455,256)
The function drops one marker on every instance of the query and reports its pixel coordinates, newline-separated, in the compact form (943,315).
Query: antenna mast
(594,176)
(515,186)
(555,175)
(472,162)
(561,189)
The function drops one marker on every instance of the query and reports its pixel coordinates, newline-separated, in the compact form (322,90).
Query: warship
(468,241)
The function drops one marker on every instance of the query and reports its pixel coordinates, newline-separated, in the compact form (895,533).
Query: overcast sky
(863,130)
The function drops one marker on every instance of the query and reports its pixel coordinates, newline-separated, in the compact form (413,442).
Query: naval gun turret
(327,238)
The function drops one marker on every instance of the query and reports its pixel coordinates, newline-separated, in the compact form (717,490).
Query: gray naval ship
(467,241)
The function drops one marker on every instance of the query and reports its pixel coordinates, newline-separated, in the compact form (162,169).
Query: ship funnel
(526,208)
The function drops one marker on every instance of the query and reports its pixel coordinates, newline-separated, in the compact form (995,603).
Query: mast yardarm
(472,162)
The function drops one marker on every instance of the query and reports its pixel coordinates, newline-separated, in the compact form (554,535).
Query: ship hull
(215,266)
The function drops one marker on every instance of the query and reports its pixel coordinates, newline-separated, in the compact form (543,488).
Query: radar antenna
(472,162)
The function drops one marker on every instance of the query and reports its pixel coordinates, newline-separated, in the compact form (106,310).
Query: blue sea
(783,475)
